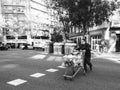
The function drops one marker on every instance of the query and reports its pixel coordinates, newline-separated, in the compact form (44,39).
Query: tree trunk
(84,31)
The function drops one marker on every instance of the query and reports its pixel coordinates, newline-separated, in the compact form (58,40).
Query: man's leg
(85,66)
(89,64)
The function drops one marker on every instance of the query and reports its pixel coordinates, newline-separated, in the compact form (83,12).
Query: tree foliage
(83,13)
(56,37)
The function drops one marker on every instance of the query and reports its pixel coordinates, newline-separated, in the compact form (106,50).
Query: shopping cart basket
(73,64)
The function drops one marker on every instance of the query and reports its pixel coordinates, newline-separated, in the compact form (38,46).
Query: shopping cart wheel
(84,73)
(65,77)
(71,79)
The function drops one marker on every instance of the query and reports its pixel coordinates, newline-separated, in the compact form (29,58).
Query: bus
(39,42)
(24,40)
(17,41)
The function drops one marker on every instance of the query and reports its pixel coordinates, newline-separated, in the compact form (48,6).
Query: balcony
(7,12)
(75,34)
(13,10)
(16,5)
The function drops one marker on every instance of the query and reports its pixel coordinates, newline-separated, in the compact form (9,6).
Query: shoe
(90,68)
(84,73)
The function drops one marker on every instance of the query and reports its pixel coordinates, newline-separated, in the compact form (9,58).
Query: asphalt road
(27,70)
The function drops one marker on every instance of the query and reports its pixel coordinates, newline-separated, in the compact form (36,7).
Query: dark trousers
(87,61)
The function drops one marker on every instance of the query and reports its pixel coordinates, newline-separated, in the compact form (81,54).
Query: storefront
(76,38)
(116,30)
(96,36)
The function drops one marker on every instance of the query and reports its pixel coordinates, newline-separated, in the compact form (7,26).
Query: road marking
(114,59)
(61,67)
(51,58)
(52,70)
(38,56)
(37,75)
(16,82)
(110,58)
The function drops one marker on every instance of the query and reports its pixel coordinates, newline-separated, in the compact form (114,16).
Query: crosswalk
(37,75)
(19,81)
(52,70)
(39,56)
(16,82)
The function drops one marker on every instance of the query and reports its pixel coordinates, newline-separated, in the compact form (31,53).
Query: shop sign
(115,24)
(117,32)
(95,32)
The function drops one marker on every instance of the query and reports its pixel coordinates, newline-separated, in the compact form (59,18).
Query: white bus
(17,41)
(39,42)
(25,40)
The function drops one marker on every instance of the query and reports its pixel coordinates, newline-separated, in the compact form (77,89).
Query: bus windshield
(10,37)
(40,37)
(22,37)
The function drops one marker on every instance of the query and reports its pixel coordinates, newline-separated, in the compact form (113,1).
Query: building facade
(115,28)
(0,23)
(75,34)
(27,16)
(97,34)
(13,13)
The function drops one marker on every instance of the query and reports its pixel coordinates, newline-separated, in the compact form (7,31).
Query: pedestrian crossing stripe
(52,70)
(39,56)
(61,67)
(16,82)
(37,75)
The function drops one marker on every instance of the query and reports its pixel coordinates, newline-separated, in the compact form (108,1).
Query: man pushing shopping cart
(77,60)
(87,54)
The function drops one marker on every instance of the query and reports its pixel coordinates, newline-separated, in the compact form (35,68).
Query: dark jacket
(87,49)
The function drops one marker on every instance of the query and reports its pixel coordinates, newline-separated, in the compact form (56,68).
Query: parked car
(26,46)
(4,47)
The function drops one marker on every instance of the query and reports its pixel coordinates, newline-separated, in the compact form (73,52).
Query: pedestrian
(102,46)
(85,47)
(97,48)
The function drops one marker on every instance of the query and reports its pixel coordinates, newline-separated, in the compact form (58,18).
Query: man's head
(83,41)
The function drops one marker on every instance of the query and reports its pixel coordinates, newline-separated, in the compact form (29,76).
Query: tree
(83,13)
(56,37)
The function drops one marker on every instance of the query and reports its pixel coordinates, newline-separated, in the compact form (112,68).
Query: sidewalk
(114,56)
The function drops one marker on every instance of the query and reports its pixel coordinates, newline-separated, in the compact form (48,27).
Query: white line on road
(61,67)
(38,56)
(37,75)
(52,70)
(16,82)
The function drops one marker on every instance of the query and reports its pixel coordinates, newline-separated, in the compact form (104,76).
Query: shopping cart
(73,64)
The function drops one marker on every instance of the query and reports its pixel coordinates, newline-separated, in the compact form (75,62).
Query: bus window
(22,37)
(10,37)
